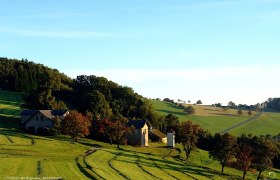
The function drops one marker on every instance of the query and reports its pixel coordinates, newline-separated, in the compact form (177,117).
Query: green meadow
(216,119)
(23,155)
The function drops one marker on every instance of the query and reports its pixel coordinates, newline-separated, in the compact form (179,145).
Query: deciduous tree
(224,149)
(76,125)
(264,152)
(188,136)
(250,113)
(189,110)
(239,112)
(244,158)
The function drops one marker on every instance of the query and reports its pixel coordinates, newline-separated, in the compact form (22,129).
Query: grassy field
(211,118)
(23,155)
(9,108)
(267,123)
(216,119)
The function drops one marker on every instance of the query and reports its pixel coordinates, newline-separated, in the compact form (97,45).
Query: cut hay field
(23,155)
(216,119)
(211,118)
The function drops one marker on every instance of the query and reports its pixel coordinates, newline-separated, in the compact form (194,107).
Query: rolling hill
(216,119)
(25,155)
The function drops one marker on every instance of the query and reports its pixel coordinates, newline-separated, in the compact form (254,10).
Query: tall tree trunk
(244,175)
(259,176)
(111,141)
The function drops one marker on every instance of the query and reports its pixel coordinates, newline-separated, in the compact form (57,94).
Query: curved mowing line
(9,138)
(141,167)
(90,167)
(83,169)
(163,169)
(175,169)
(87,166)
(111,165)
(168,154)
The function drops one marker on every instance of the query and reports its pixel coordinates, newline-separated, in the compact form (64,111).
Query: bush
(189,110)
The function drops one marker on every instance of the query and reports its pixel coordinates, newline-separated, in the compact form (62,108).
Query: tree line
(47,88)
(245,153)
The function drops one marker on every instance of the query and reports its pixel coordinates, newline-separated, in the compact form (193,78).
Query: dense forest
(47,88)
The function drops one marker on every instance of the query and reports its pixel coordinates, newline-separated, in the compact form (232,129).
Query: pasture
(211,118)
(23,155)
(267,123)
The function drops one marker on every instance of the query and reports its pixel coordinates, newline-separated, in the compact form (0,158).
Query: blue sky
(213,50)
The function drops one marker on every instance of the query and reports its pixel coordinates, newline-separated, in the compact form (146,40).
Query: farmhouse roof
(137,123)
(170,131)
(157,133)
(48,113)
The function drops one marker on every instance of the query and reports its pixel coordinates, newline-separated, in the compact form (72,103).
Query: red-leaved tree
(76,125)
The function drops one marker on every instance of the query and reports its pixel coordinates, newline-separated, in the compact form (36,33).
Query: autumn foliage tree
(113,128)
(188,133)
(245,155)
(76,125)
(224,149)
(264,152)
(119,129)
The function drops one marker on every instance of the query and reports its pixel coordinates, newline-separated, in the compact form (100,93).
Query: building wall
(135,137)
(145,135)
(164,140)
(139,137)
(170,139)
(23,119)
(38,121)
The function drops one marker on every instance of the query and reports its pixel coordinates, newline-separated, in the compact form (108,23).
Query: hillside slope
(216,119)
(24,155)
(9,108)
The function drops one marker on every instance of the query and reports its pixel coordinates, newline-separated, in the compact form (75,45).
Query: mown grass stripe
(84,170)
(141,167)
(39,168)
(88,166)
(111,165)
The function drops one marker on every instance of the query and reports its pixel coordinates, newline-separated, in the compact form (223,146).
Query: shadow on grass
(7,102)
(166,164)
(18,134)
(223,114)
(171,112)
(9,122)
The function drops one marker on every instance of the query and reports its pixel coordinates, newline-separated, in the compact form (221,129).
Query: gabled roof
(157,133)
(28,112)
(138,124)
(171,131)
(48,113)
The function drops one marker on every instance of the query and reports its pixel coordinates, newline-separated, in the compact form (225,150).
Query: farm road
(242,123)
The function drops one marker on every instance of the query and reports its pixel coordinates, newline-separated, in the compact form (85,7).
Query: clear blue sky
(213,50)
